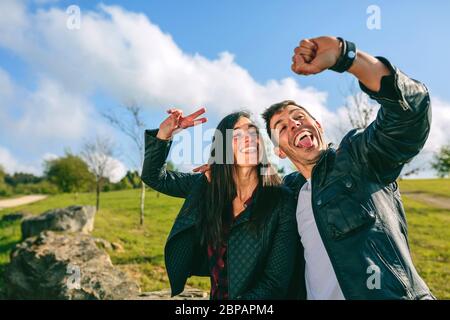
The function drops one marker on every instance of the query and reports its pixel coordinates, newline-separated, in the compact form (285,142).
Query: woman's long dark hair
(221,191)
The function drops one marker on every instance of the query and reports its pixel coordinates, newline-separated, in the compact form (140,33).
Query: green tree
(5,190)
(2,174)
(134,179)
(70,173)
(22,178)
(442,161)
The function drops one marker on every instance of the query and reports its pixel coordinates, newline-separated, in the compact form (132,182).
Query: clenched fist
(315,55)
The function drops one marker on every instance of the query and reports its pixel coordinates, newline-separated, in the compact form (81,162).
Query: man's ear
(279,152)
(319,126)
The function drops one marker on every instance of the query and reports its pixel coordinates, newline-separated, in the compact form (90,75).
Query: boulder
(70,219)
(65,266)
(15,216)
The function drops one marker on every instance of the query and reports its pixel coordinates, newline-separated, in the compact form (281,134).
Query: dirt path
(436,201)
(9,203)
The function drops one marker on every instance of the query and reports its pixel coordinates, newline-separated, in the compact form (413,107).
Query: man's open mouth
(304,139)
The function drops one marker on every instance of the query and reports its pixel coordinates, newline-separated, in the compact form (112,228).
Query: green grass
(118,221)
(438,187)
(429,236)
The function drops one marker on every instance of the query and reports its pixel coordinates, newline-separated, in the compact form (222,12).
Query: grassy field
(438,187)
(118,221)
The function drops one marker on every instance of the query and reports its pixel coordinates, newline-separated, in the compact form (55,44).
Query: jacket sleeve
(400,129)
(154,172)
(279,269)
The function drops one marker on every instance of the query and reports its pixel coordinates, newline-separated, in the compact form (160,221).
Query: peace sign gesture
(175,122)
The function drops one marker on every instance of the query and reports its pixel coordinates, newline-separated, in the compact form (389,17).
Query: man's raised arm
(403,121)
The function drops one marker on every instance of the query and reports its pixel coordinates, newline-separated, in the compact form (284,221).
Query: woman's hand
(176,122)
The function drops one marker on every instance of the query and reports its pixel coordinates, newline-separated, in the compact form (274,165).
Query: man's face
(299,136)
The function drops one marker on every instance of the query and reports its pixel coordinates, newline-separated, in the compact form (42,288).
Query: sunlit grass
(439,187)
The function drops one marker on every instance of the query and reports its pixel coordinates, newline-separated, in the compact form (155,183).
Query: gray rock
(103,244)
(71,219)
(65,266)
(106,245)
(15,216)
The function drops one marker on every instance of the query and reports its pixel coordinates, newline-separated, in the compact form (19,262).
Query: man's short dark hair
(276,108)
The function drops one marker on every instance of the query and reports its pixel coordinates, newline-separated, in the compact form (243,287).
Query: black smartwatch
(347,57)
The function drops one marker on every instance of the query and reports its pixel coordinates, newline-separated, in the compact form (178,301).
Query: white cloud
(439,134)
(49,156)
(118,172)
(45,118)
(11,164)
(51,112)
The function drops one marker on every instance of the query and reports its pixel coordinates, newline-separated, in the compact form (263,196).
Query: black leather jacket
(266,265)
(356,201)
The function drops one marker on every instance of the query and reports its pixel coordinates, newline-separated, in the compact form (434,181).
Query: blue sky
(260,35)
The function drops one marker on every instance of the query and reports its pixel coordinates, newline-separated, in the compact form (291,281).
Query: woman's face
(245,143)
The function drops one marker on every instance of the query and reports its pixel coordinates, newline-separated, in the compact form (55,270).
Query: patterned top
(218,259)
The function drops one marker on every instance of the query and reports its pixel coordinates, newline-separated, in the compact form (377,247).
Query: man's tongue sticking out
(306,142)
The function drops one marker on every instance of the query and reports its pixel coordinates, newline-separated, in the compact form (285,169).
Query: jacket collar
(319,173)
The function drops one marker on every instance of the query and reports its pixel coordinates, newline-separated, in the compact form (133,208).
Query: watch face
(351,54)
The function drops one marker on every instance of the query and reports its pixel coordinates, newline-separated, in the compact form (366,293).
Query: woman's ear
(279,152)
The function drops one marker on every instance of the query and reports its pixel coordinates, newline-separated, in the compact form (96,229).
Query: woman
(237,224)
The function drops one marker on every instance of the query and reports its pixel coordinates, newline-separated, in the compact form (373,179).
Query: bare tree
(131,124)
(360,110)
(98,155)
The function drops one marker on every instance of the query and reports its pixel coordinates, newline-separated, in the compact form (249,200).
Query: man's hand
(315,55)
(206,169)
(176,122)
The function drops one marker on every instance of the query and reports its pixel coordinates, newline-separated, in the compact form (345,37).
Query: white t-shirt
(321,281)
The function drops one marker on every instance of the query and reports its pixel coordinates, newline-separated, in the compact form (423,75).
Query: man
(350,215)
